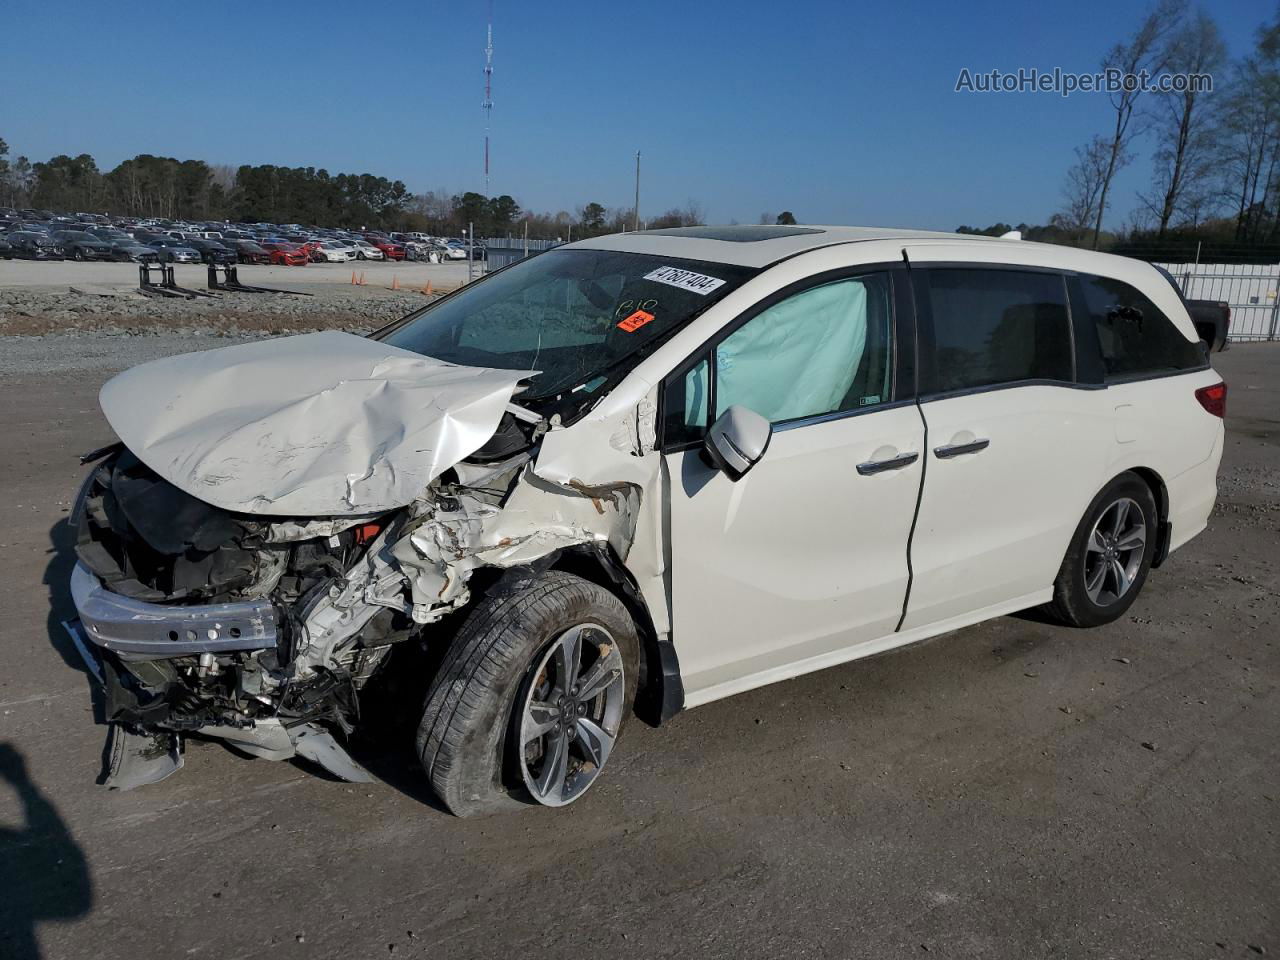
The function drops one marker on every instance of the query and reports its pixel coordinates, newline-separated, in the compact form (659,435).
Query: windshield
(571,314)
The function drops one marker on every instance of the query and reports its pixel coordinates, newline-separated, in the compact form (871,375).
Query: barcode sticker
(698,283)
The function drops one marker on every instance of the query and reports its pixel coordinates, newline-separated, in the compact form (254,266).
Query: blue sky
(841,112)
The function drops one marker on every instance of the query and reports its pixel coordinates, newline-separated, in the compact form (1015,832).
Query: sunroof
(740,234)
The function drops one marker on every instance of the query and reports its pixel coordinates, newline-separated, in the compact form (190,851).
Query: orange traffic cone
(362,278)
(353,278)
(395,283)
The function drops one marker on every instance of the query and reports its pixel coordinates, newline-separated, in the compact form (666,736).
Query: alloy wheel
(1114,551)
(571,714)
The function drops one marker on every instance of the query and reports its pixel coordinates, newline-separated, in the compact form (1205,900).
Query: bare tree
(1249,143)
(1184,162)
(1086,183)
(1147,50)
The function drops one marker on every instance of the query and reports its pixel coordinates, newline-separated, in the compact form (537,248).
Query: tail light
(1214,399)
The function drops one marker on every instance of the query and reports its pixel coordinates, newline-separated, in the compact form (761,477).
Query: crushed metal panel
(617,444)
(319,425)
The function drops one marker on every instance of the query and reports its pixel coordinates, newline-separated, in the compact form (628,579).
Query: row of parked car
(45,235)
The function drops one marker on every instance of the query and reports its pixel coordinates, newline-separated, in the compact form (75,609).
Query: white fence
(1251,289)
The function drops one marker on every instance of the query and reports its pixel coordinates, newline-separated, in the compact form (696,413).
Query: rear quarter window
(1136,338)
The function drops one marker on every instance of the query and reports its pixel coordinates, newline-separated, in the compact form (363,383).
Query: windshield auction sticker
(635,321)
(684,279)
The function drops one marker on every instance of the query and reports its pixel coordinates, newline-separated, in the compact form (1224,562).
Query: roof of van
(762,246)
(755,246)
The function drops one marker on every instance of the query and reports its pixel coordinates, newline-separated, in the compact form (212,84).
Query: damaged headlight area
(263,631)
(196,619)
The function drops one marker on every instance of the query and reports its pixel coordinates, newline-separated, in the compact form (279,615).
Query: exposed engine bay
(263,629)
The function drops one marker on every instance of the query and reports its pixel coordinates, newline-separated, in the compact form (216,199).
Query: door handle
(960,449)
(893,463)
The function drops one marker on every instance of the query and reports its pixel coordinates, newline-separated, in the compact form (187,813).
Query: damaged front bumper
(127,645)
(135,628)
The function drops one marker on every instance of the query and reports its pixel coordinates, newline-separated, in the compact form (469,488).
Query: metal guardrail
(1251,290)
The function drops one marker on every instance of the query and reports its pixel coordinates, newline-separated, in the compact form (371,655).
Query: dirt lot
(1012,790)
(54,298)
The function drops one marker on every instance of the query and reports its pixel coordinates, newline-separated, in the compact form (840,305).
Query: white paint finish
(995,524)
(1125,423)
(756,253)
(1172,432)
(325,424)
(833,658)
(1192,495)
(800,558)
(1073,441)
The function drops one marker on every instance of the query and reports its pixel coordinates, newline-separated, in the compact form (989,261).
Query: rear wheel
(1109,557)
(531,697)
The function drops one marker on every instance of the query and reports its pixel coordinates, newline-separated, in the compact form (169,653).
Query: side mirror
(736,441)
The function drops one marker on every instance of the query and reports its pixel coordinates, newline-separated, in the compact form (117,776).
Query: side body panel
(1152,424)
(801,557)
(994,524)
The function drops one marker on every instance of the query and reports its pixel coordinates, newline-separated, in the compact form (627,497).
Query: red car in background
(312,250)
(390,249)
(288,254)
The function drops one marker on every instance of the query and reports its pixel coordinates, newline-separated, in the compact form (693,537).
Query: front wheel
(1109,556)
(531,697)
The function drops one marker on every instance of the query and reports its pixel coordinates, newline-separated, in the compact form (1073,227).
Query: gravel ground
(36,313)
(58,298)
(1012,790)
(60,275)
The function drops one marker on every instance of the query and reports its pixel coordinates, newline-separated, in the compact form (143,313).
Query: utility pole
(487,105)
(636,221)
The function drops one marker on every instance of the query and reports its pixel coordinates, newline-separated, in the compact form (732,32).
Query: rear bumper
(1192,496)
(156,631)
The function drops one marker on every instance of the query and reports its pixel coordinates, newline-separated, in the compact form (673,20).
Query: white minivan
(633,474)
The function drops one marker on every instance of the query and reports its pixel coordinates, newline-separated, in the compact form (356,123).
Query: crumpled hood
(323,424)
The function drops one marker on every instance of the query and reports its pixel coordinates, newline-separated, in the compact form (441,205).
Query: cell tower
(488,95)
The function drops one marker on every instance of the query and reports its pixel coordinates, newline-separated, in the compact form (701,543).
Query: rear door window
(995,326)
(1136,338)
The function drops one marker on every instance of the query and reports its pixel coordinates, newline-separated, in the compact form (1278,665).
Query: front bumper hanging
(113,628)
(137,628)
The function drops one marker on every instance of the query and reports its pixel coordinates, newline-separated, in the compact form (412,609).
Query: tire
(76,254)
(360,255)
(1074,603)
(470,733)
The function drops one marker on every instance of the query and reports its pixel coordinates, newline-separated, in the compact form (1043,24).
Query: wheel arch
(1164,530)
(660,695)
(661,691)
